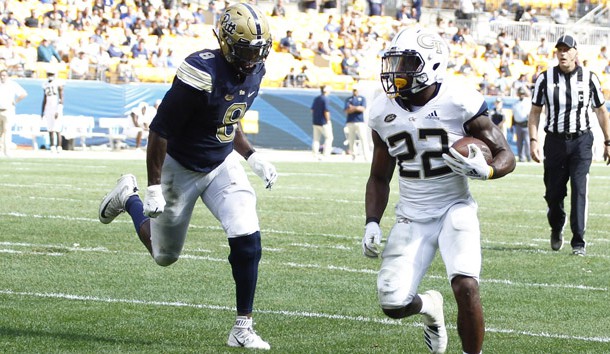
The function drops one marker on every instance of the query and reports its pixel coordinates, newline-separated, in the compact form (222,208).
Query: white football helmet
(416,59)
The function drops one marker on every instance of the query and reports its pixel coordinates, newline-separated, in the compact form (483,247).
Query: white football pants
(226,191)
(411,247)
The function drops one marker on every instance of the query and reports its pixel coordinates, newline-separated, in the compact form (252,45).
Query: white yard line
(383,321)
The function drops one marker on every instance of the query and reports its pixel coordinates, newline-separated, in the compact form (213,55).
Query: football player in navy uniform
(414,126)
(189,156)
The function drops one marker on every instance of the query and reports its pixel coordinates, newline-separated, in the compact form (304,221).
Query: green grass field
(70,284)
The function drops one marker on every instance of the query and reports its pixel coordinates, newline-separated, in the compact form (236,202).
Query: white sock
(427,305)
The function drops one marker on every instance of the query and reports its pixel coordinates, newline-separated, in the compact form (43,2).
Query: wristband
(371,219)
(248,154)
(607,142)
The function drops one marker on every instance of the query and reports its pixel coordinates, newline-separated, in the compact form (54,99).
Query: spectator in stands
(158,58)
(529,15)
(543,49)
(278,9)
(458,37)
(350,64)
(32,20)
(375,7)
(302,80)
(46,52)
(13,60)
(403,14)
(310,42)
(125,70)
(560,15)
(330,26)
(101,63)
(322,124)
(416,9)
(503,83)
(484,84)
(521,84)
(114,50)
(289,79)
(199,15)
(321,49)
(10,94)
(518,51)
(465,10)
(139,51)
(4,37)
(539,70)
(466,68)
(310,6)
(79,66)
(329,6)
(607,68)
(54,18)
(603,53)
(289,45)
(10,20)
(172,60)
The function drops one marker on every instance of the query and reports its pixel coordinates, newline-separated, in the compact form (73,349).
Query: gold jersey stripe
(194,77)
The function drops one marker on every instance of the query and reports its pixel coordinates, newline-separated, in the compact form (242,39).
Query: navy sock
(244,258)
(135,209)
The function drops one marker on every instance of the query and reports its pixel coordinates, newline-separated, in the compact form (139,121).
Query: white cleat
(114,202)
(242,335)
(435,333)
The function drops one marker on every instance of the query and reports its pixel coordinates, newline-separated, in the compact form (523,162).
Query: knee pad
(392,294)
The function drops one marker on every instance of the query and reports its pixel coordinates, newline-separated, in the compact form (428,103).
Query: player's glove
(265,170)
(371,242)
(473,166)
(154,203)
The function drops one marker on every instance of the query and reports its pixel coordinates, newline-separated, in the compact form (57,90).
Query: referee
(569,92)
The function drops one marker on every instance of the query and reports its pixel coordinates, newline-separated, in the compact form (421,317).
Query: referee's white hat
(566,40)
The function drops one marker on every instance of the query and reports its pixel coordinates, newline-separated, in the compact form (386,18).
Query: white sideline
(383,321)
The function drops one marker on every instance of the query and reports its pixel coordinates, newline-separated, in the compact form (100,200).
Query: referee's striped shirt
(568,98)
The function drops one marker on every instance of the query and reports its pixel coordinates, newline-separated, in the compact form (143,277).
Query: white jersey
(427,186)
(51,91)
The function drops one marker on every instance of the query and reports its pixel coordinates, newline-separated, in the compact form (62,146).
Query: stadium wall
(284,114)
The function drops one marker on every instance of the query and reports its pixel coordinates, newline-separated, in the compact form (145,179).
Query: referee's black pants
(568,160)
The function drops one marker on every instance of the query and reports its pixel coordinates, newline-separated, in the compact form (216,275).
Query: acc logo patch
(389,118)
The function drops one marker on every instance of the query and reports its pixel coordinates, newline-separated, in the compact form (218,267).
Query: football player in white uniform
(414,126)
(53,108)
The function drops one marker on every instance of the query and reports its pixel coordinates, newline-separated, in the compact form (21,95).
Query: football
(461,146)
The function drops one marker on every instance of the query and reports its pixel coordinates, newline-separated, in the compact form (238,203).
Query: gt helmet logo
(430,41)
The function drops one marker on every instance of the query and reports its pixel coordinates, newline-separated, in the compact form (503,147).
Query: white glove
(265,170)
(154,203)
(371,242)
(473,166)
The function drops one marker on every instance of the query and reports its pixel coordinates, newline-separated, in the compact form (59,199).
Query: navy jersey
(319,106)
(199,113)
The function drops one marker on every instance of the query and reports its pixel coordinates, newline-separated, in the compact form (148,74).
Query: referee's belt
(568,136)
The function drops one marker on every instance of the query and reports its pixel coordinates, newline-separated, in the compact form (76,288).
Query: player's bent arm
(155,155)
(504,159)
(241,144)
(378,184)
